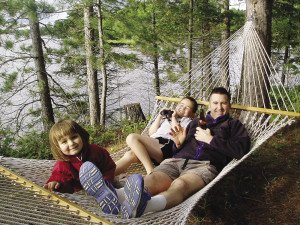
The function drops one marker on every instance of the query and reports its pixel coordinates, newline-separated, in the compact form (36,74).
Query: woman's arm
(174,120)
(155,125)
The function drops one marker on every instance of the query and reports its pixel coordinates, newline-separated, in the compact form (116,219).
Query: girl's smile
(71,144)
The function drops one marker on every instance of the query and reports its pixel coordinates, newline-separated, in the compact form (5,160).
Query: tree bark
(206,47)
(102,65)
(225,46)
(134,113)
(190,45)
(285,61)
(155,56)
(92,81)
(39,61)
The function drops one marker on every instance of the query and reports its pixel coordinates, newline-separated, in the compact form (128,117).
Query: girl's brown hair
(61,129)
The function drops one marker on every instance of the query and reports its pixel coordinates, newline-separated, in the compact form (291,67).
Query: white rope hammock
(241,64)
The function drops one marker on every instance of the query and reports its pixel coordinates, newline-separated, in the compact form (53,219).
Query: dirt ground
(264,189)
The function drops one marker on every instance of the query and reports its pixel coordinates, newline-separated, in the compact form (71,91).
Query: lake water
(130,86)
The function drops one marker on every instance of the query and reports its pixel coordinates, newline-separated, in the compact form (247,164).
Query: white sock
(121,194)
(156,204)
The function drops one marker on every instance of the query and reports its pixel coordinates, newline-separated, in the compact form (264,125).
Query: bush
(114,135)
(6,142)
(33,145)
(36,145)
(293,94)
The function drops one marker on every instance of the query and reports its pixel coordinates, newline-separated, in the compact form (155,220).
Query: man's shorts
(173,168)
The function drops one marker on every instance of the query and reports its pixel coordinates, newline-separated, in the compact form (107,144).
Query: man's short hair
(220,90)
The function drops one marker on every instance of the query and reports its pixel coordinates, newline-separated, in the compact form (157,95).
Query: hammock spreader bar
(60,201)
(240,107)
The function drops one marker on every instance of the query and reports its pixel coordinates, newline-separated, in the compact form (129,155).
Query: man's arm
(236,145)
(203,135)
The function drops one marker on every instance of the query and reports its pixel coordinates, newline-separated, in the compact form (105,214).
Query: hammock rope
(240,63)
(38,198)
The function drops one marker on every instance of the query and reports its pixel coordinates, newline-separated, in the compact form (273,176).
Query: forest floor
(264,189)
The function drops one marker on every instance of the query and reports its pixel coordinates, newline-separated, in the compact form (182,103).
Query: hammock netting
(240,64)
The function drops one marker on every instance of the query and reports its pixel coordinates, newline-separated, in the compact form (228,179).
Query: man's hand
(52,186)
(203,135)
(178,134)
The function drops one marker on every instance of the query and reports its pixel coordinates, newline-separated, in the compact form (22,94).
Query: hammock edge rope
(61,201)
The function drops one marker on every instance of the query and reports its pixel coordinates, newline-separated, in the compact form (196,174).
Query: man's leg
(145,148)
(182,188)
(173,192)
(137,196)
(179,190)
(157,182)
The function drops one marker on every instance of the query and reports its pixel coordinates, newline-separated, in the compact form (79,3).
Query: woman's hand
(178,134)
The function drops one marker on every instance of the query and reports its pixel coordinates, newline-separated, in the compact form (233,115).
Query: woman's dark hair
(195,104)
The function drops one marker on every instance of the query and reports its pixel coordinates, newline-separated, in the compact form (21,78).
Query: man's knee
(185,187)
(152,177)
(157,182)
(180,185)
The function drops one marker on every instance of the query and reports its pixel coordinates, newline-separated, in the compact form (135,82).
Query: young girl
(70,147)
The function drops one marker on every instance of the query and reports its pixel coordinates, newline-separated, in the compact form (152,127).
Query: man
(199,155)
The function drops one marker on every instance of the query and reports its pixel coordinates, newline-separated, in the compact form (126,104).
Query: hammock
(241,64)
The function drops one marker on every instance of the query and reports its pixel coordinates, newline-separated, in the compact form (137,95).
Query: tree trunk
(206,47)
(155,56)
(39,61)
(102,65)
(285,60)
(190,45)
(260,11)
(224,64)
(92,81)
(134,113)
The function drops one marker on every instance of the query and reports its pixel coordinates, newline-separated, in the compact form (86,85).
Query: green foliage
(172,76)
(6,142)
(33,145)
(9,82)
(128,61)
(114,135)
(285,24)
(294,95)
(9,44)
(237,18)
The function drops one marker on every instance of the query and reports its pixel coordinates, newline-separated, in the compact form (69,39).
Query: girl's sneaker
(94,184)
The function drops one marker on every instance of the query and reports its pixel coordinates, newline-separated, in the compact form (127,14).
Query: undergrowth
(35,145)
